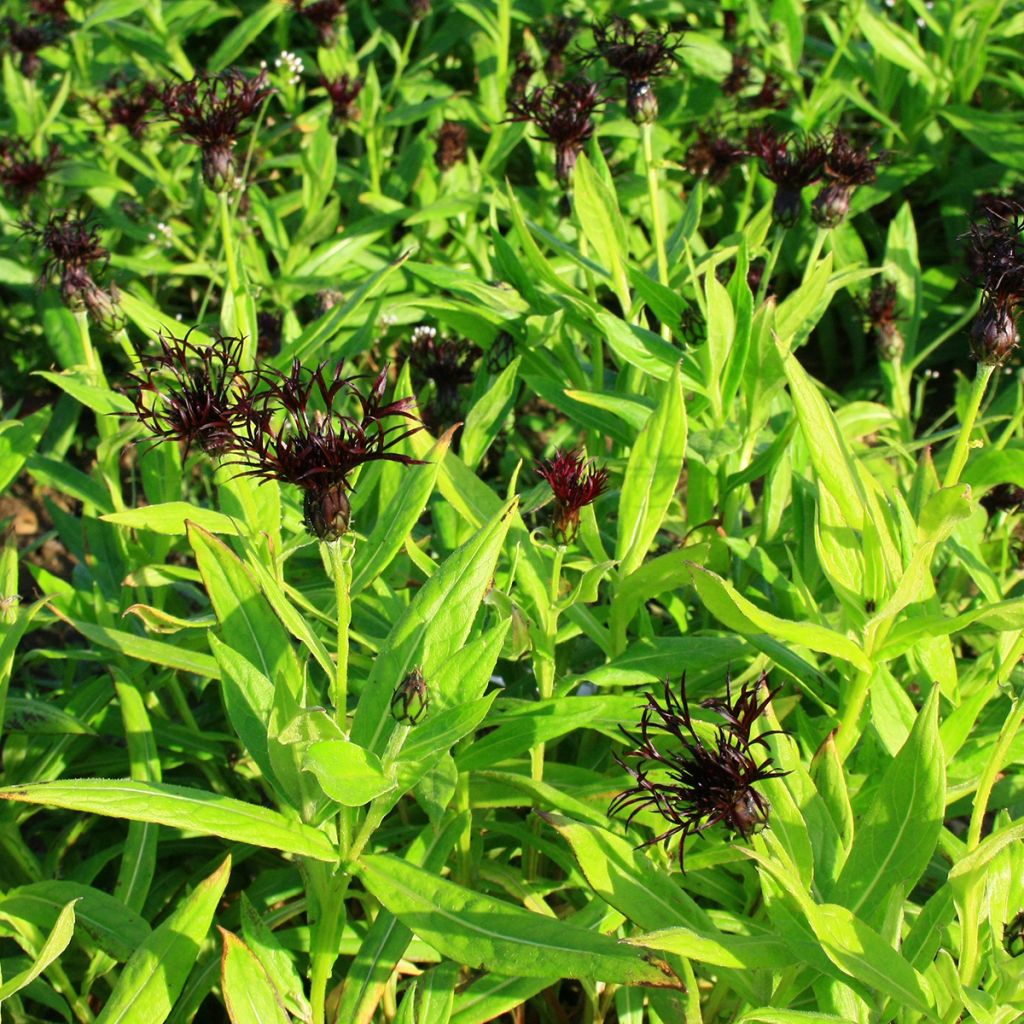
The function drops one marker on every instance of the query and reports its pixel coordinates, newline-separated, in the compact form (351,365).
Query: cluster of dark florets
(564,113)
(312,428)
(694,784)
(452,145)
(638,56)
(323,15)
(210,110)
(129,105)
(74,256)
(882,317)
(556,36)
(22,172)
(26,39)
(343,93)
(447,364)
(793,163)
(995,261)
(575,483)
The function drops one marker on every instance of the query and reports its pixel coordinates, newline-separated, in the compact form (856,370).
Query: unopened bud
(411,698)
(831,206)
(326,512)
(641,102)
(994,334)
(219,169)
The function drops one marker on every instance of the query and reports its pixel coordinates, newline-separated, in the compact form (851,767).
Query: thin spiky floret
(697,784)
(193,393)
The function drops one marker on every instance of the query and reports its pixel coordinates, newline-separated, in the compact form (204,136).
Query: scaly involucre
(697,785)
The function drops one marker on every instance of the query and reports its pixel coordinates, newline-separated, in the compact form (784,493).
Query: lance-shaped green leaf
(488,934)
(170,518)
(249,994)
(346,772)
(897,835)
(652,475)
(193,810)
(55,944)
(732,609)
(432,630)
(153,978)
(862,953)
(247,622)
(389,533)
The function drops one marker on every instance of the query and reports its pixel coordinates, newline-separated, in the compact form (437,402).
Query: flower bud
(411,699)
(890,343)
(219,168)
(326,512)
(994,333)
(641,102)
(104,307)
(831,206)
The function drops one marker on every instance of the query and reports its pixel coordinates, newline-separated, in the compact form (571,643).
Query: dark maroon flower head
(575,483)
(27,40)
(845,167)
(771,95)
(729,24)
(563,111)
(72,247)
(129,106)
(193,393)
(556,35)
(881,316)
(53,10)
(995,260)
(209,111)
(520,79)
(313,429)
(713,156)
(792,164)
(419,9)
(698,784)
(268,333)
(739,76)
(1005,497)
(452,145)
(995,250)
(446,362)
(637,56)
(344,92)
(411,698)
(22,173)
(323,15)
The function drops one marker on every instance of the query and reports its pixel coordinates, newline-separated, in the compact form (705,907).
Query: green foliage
(248,775)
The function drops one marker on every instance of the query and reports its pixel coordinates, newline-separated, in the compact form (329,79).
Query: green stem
(1007,734)
(339,555)
(819,243)
(657,227)
(325,942)
(963,441)
(769,267)
(242,325)
(848,733)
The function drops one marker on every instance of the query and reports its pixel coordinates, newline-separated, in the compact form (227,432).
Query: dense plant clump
(426,429)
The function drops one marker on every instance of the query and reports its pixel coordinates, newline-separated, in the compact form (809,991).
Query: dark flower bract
(694,784)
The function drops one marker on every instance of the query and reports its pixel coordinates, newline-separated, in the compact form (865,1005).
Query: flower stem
(657,227)
(339,555)
(959,460)
(769,267)
(819,243)
(238,300)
